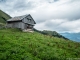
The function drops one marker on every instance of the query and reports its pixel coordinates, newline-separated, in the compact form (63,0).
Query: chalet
(25,22)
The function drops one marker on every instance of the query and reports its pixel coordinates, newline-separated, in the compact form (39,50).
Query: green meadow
(18,45)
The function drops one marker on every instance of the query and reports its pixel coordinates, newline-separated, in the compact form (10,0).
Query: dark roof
(17,18)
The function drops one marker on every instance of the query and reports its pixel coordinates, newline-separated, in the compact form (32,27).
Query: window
(29,19)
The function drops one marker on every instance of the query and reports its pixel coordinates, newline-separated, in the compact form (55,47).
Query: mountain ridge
(51,33)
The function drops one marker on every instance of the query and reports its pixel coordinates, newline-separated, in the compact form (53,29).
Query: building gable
(29,20)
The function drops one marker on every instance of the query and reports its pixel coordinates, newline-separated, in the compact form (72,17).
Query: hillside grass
(17,45)
(3,17)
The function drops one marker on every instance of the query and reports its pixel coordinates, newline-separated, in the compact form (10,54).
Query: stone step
(28,30)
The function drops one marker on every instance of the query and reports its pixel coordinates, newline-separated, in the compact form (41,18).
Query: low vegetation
(51,33)
(17,45)
(3,17)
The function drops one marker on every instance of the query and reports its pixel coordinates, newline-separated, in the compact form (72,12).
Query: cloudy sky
(55,15)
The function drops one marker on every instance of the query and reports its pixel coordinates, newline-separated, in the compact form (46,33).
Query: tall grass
(17,45)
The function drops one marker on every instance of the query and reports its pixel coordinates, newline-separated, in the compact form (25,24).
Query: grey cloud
(2,1)
(40,21)
(47,15)
(71,12)
(53,25)
(16,5)
(22,5)
(72,15)
(52,1)
(64,26)
(56,0)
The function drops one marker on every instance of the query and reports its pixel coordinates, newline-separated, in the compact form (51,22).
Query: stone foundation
(28,30)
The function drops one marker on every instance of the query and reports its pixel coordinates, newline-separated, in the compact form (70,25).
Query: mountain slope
(17,45)
(3,17)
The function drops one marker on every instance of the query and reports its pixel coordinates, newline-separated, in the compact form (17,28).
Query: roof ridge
(18,17)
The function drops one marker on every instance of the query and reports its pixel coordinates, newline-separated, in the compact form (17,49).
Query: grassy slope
(16,45)
(3,17)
